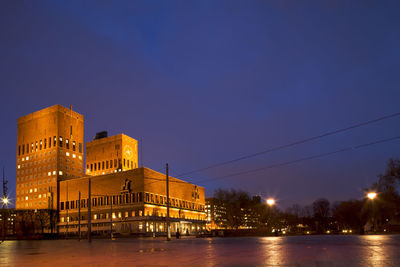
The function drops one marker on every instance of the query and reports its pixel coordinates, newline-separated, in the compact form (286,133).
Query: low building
(136,200)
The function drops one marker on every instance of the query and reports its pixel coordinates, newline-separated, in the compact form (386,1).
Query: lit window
(73,155)
(49,173)
(60,173)
(54,172)
(19,166)
(80,157)
(35,189)
(67,153)
(30,190)
(113,215)
(26,198)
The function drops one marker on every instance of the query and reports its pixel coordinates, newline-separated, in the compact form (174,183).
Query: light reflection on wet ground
(252,251)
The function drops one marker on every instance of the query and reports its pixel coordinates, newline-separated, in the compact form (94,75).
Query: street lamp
(270,201)
(371,195)
(5,201)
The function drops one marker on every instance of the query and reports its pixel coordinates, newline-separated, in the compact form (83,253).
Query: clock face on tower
(128,152)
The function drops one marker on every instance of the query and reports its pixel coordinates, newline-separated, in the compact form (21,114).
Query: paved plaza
(369,250)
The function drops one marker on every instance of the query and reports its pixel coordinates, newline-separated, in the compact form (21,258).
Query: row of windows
(47,143)
(126,214)
(129,198)
(173,202)
(100,216)
(103,201)
(104,165)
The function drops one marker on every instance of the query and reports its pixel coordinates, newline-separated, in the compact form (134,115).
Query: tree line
(237,209)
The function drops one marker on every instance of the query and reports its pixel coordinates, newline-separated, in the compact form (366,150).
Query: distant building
(215,214)
(49,148)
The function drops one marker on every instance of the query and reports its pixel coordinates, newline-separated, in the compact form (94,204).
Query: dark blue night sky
(207,81)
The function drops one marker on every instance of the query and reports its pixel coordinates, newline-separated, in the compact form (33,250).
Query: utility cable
(273,149)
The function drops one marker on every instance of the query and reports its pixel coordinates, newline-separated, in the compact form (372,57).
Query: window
(73,145)
(95,166)
(115,163)
(111,164)
(61,141)
(67,143)
(36,146)
(119,163)
(66,205)
(23,149)
(91,166)
(80,147)
(147,197)
(124,162)
(54,141)
(32,147)
(19,150)
(102,165)
(40,145)
(45,143)
(107,164)
(98,166)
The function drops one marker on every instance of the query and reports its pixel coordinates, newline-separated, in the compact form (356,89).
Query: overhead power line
(292,144)
(303,159)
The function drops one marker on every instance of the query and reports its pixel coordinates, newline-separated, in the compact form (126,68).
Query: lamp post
(5,202)
(372,196)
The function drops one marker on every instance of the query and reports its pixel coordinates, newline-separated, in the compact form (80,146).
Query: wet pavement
(369,250)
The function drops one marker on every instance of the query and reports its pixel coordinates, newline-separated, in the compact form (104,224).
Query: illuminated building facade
(50,176)
(136,199)
(49,148)
(215,214)
(111,154)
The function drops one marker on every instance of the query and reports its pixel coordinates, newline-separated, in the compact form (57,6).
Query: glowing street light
(270,201)
(5,201)
(371,195)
